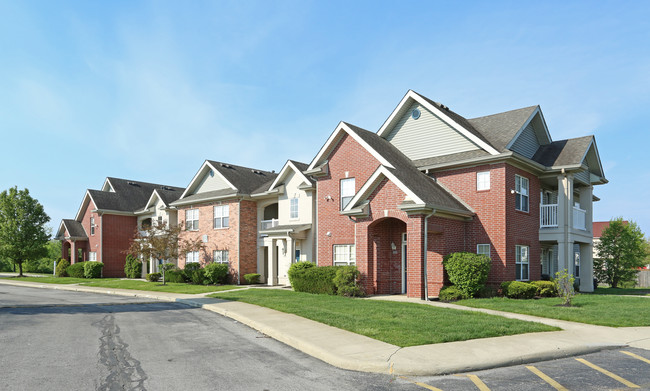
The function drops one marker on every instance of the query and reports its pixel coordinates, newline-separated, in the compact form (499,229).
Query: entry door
(404,263)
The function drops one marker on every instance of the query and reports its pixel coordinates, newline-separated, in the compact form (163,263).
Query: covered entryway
(387,256)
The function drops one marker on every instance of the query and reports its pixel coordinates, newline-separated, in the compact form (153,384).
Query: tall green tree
(23,234)
(622,250)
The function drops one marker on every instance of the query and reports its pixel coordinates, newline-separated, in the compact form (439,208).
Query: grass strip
(401,324)
(623,291)
(54,280)
(613,311)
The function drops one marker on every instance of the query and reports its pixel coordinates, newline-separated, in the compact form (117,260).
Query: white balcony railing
(268,224)
(579,218)
(548,216)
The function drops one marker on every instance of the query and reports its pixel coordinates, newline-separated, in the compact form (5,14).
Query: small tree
(23,234)
(622,250)
(160,241)
(564,286)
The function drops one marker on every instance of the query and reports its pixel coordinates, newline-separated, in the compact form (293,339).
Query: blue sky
(149,90)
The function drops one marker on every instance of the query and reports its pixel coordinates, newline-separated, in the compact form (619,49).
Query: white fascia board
(202,171)
(152,198)
(523,127)
(342,127)
(416,97)
(372,183)
(110,187)
(84,204)
(593,145)
(60,234)
(281,175)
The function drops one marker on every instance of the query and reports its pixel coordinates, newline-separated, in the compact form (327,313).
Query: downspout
(426,246)
(238,241)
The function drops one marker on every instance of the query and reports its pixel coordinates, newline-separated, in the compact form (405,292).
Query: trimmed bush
(93,269)
(153,277)
(216,273)
(467,271)
(76,270)
(451,293)
(174,275)
(193,273)
(252,278)
(545,288)
(519,290)
(346,281)
(61,266)
(314,279)
(132,267)
(487,292)
(297,268)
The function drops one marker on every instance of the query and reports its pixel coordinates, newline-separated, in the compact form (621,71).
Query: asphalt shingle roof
(501,128)
(563,152)
(74,228)
(245,179)
(128,195)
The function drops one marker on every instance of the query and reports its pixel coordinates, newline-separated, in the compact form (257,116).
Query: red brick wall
(117,234)
(93,240)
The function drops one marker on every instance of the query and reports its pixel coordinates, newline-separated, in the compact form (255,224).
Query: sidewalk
(352,351)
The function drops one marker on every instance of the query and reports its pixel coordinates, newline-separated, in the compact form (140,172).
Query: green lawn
(623,291)
(401,324)
(130,284)
(614,311)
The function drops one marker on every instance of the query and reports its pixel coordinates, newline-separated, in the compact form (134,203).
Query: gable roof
(599,227)
(501,128)
(564,152)
(74,229)
(296,167)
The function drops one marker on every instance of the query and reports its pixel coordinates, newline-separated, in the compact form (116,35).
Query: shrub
(297,268)
(93,269)
(504,287)
(564,285)
(76,270)
(314,279)
(486,292)
(216,273)
(132,267)
(61,266)
(467,271)
(153,277)
(545,288)
(193,273)
(346,281)
(43,265)
(519,290)
(174,275)
(451,293)
(252,278)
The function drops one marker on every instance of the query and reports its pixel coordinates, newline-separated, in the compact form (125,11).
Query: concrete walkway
(352,351)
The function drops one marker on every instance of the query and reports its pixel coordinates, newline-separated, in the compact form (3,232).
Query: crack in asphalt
(124,371)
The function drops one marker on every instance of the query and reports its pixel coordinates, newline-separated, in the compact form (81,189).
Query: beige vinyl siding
(210,183)
(527,143)
(427,136)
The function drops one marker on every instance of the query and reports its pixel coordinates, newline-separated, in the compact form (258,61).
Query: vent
(133,183)
(226,165)
(258,172)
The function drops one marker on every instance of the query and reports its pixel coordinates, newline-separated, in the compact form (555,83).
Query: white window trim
(223,215)
(192,257)
(293,208)
(520,193)
(92,256)
(483,180)
(92,226)
(489,249)
(220,259)
(519,263)
(193,217)
(348,255)
(349,194)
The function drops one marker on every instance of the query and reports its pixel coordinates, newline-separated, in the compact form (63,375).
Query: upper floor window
(221,256)
(347,191)
(521,193)
(92,226)
(344,254)
(222,216)
(483,249)
(521,263)
(483,180)
(192,219)
(293,206)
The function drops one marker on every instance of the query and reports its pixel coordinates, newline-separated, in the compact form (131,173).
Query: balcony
(548,217)
(268,224)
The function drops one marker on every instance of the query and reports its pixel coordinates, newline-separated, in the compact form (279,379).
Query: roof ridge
(503,112)
(238,166)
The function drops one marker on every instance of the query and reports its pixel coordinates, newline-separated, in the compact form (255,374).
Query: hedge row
(90,269)
(329,280)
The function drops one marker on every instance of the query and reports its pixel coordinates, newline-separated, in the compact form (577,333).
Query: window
(483,249)
(145,224)
(347,191)
(521,190)
(192,219)
(221,256)
(92,256)
(521,264)
(221,216)
(483,180)
(192,256)
(160,220)
(92,226)
(344,254)
(576,261)
(293,213)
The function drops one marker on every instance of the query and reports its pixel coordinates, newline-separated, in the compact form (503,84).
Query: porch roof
(285,229)
(74,229)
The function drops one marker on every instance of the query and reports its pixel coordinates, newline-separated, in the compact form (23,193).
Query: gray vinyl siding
(550,268)
(582,176)
(209,183)
(428,136)
(527,143)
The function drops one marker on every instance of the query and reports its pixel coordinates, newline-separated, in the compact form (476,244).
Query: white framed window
(192,256)
(192,219)
(92,256)
(347,191)
(293,208)
(483,180)
(220,256)
(160,220)
(92,226)
(221,216)
(483,249)
(344,254)
(521,263)
(576,262)
(521,193)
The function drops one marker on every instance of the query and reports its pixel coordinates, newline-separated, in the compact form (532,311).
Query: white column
(586,203)
(586,267)
(273,251)
(565,201)
(565,256)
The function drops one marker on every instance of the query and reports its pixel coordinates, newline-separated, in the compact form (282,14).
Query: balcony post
(586,267)
(565,202)
(586,203)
